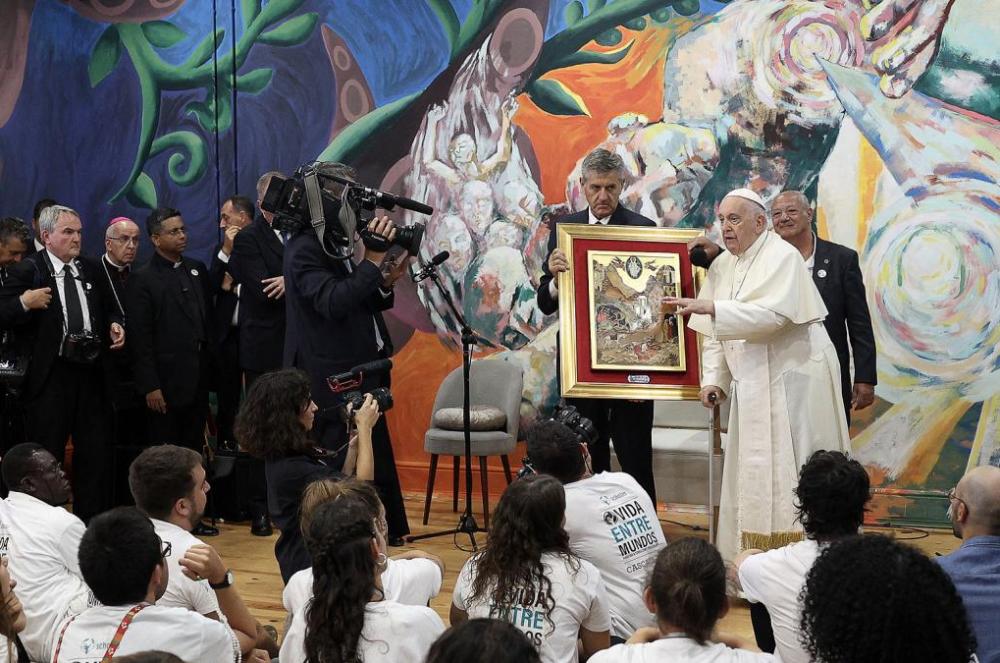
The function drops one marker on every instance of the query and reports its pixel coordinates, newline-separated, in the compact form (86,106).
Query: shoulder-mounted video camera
(314,197)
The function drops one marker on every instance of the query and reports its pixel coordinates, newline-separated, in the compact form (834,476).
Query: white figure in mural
(463,159)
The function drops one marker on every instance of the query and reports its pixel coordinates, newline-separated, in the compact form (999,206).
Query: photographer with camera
(334,316)
(65,392)
(610,520)
(273,424)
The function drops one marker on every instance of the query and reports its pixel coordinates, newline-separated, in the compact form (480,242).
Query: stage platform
(252,558)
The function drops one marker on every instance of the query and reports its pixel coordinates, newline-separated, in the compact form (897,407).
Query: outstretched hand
(686,306)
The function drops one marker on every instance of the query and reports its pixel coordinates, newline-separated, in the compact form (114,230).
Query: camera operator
(64,391)
(334,322)
(273,424)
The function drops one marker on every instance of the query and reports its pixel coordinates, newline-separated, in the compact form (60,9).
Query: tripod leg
(430,487)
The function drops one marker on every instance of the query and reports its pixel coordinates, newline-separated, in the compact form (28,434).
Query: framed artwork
(616,340)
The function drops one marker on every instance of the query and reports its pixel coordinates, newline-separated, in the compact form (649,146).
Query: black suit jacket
(620,217)
(224,302)
(166,350)
(330,306)
(257,255)
(837,275)
(41,331)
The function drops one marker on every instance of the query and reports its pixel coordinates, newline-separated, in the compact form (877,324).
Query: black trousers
(73,403)
(630,425)
(228,385)
(130,437)
(181,425)
(330,432)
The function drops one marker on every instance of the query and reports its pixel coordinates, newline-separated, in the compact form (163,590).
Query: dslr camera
(347,207)
(81,347)
(353,400)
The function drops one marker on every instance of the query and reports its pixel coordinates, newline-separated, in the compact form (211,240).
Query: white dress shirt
(81,289)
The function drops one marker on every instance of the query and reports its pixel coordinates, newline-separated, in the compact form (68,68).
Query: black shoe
(201,529)
(261,526)
(395,541)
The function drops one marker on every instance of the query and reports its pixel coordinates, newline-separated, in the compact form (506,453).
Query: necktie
(74,312)
(284,236)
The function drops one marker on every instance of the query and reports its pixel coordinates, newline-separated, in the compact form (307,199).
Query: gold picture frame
(583,373)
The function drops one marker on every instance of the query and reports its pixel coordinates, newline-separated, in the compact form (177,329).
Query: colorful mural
(888,112)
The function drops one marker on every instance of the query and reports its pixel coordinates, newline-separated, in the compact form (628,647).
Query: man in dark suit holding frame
(628,423)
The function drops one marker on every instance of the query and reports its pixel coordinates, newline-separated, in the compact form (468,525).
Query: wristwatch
(227,580)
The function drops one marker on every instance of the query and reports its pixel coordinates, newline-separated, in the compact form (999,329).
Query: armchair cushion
(481,418)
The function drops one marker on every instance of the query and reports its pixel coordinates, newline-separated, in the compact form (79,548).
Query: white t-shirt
(678,650)
(183,592)
(776,578)
(178,631)
(579,601)
(41,543)
(612,523)
(393,633)
(407,581)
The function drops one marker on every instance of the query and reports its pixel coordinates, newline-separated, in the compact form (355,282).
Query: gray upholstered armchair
(492,382)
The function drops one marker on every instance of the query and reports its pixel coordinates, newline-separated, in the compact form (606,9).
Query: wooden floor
(257,577)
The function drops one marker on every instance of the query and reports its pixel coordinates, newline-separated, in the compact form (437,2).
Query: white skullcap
(747,194)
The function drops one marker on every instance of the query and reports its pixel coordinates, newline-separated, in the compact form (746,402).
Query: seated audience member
(349,618)
(12,619)
(528,575)
(610,519)
(831,497)
(491,640)
(273,424)
(42,543)
(412,577)
(869,598)
(149,657)
(974,510)
(687,592)
(168,484)
(124,563)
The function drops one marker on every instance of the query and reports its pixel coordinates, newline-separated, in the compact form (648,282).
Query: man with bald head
(837,274)
(764,344)
(121,246)
(974,510)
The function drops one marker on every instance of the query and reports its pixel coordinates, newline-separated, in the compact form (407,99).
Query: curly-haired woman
(273,424)
(869,599)
(528,576)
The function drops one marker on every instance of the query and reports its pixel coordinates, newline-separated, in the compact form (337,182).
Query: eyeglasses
(732,221)
(953,496)
(132,241)
(175,232)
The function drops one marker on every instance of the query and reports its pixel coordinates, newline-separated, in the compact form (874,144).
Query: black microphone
(428,268)
(699,258)
(352,378)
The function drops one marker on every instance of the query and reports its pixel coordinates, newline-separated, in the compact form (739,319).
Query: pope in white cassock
(764,344)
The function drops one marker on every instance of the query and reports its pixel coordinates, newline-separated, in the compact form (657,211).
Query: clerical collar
(120,268)
(593,220)
(167,261)
(754,248)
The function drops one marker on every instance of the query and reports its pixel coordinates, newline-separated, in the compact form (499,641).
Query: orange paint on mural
(633,85)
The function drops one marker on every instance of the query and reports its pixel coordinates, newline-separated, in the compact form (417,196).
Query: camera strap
(314,198)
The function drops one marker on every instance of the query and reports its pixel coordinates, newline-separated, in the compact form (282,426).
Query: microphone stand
(467,522)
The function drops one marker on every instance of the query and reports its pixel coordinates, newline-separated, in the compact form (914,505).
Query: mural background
(887,113)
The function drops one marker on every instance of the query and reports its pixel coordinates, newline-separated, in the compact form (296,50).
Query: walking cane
(713,435)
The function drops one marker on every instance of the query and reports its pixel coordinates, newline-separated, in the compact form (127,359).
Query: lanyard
(115,641)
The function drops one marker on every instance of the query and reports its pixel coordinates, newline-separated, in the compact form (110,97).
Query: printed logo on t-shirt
(527,613)
(634,531)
